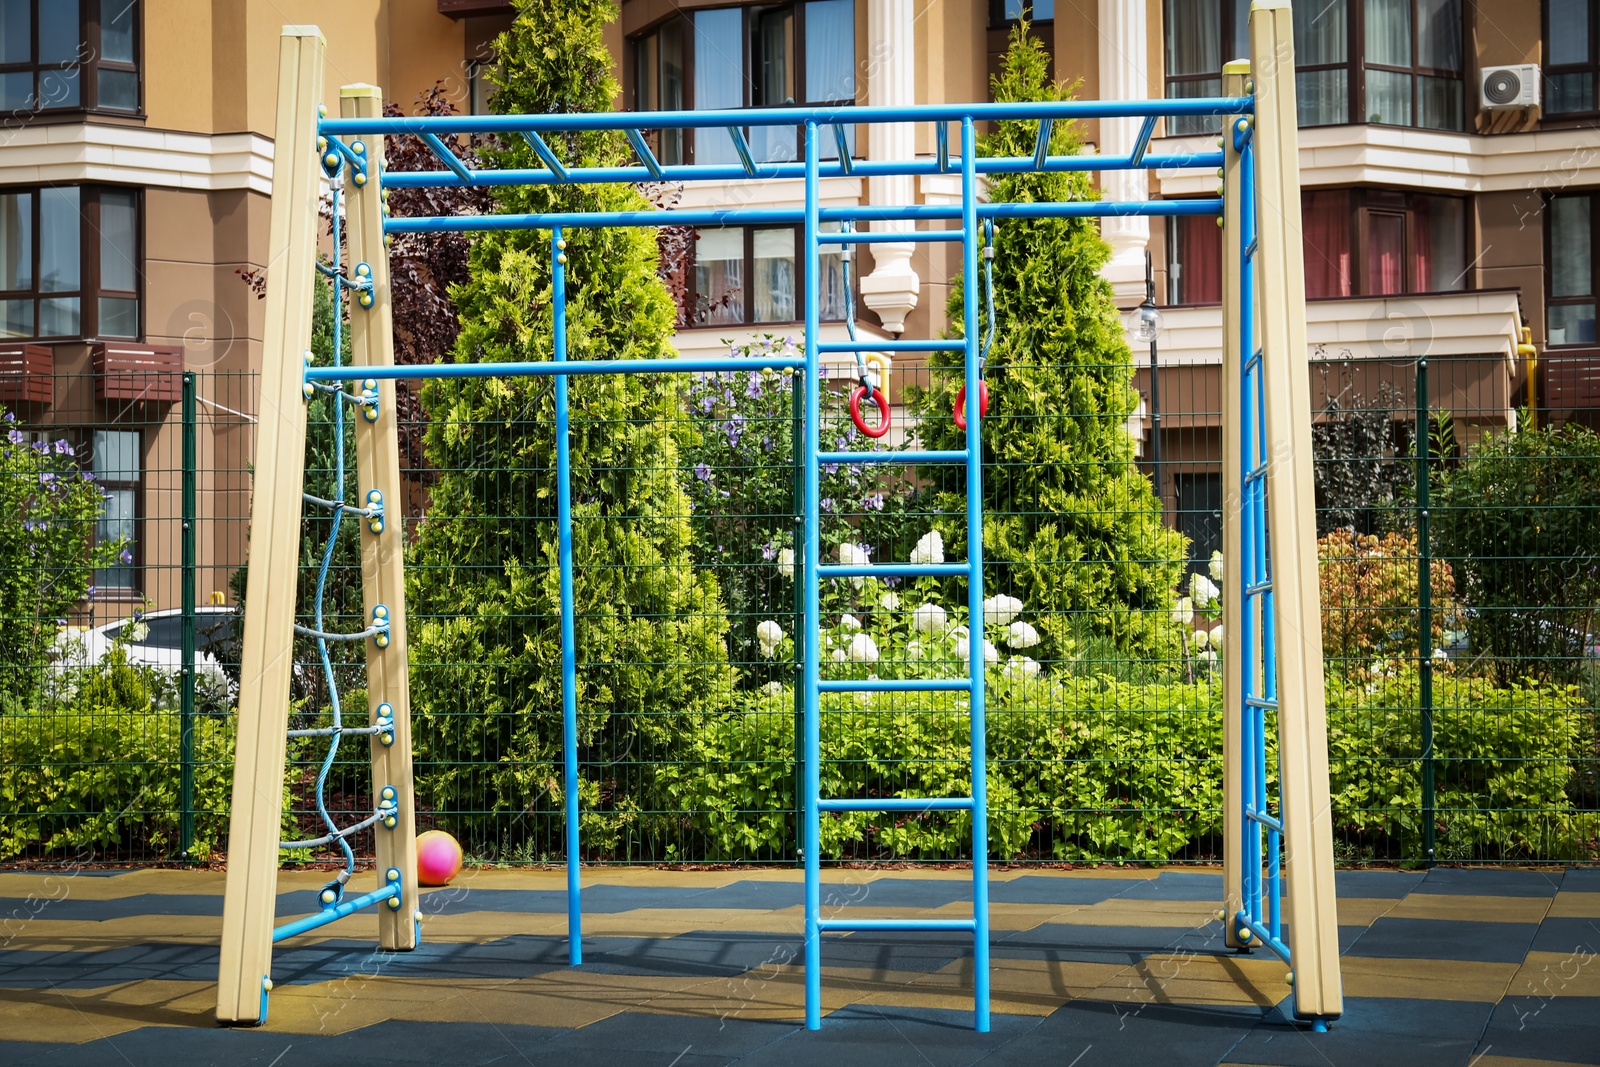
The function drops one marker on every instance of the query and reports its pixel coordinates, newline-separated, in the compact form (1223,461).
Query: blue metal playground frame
(346,150)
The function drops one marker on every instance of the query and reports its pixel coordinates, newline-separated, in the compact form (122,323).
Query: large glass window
(69,262)
(1194,260)
(769,55)
(1006,12)
(747,276)
(1406,56)
(1569,276)
(1570,56)
(69,54)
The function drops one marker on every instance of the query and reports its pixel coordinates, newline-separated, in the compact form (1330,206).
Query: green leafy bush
(1072,523)
(106,779)
(1520,520)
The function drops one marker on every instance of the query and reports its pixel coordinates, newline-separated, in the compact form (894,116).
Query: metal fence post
(186,700)
(1425,612)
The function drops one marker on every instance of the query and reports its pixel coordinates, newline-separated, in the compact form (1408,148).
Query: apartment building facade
(135,174)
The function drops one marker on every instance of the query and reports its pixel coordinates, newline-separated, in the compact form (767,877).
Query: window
(1377,242)
(117,462)
(69,262)
(1569,49)
(1194,260)
(1199,516)
(1408,59)
(1005,12)
(69,55)
(1569,279)
(734,57)
(480,90)
(748,275)
(1413,63)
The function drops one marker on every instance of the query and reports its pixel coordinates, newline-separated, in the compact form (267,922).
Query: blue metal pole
(811,553)
(512,369)
(335,913)
(569,648)
(1251,762)
(976,663)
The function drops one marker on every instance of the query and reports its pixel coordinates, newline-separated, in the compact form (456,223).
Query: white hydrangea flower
(1208,657)
(1021,635)
(913,650)
(889,601)
(991,655)
(1021,667)
(850,622)
(138,633)
(851,555)
(959,632)
(838,655)
(1215,567)
(786,562)
(1216,636)
(930,619)
(1001,610)
(863,649)
(768,634)
(1183,611)
(773,689)
(929,549)
(1203,590)
(1201,638)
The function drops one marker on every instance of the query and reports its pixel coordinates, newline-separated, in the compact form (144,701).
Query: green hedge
(106,780)
(1091,769)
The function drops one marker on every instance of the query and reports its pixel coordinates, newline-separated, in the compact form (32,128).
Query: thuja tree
(483,580)
(1074,525)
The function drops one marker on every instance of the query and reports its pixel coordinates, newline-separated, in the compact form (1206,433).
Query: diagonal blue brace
(447,157)
(647,157)
(548,157)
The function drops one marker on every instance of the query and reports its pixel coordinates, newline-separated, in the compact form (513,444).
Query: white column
(1124,75)
(891,289)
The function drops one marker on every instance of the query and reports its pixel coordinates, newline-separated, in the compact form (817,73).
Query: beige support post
(1234,77)
(256,815)
(1311,918)
(382,553)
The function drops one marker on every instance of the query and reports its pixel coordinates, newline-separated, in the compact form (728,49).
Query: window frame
(1591,67)
(1591,298)
(999,21)
(89,63)
(89,290)
(693,294)
(133,591)
(636,62)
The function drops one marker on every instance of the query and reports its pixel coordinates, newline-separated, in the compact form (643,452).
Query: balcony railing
(26,374)
(126,371)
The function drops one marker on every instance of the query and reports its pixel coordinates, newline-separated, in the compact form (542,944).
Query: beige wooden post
(256,815)
(1234,76)
(382,552)
(1311,911)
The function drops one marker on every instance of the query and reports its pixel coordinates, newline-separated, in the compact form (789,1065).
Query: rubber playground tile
(1120,911)
(1017,986)
(1199,979)
(659,1038)
(865,1035)
(158,1047)
(1177,885)
(1110,1034)
(884,893)
(1423,979)
(909,952)
(1444,939)
(1566,1029)
(1581,880)
(1099,944)
(408,1041)
(1574,935)
(78,1015)
(127,963)
(1478,882)
(1390,884)
(1557,974)
(1469,908)
(1042,889)
(1575,905)
(1419,1033)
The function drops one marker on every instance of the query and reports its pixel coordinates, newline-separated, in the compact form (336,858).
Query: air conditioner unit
(1504,88)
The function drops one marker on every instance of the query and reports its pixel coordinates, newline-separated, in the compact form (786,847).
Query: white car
(160,644)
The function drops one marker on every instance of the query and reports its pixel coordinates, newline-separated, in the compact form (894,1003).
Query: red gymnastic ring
(883,411)
(961,403)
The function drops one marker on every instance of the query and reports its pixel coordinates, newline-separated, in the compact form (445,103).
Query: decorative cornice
(92,152)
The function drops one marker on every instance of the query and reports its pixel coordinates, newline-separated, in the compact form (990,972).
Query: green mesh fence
(1459,574)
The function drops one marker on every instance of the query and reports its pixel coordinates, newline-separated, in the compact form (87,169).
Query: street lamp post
(1146,326)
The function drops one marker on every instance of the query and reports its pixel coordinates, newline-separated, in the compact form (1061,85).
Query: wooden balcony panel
(27,374)
(149,373)
(1571,382)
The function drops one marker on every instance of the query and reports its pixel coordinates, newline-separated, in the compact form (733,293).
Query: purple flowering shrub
(48,510)
(741,483)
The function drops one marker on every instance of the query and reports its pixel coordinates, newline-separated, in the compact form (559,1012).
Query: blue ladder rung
(1264,935)
(1250,250)
(1265,703)
(893,570)
(896,804)
(1257,473)
(966,925)
(931,456)
(1264,819)
(891,346)
(877,237)
(1258,587)
(896,685)
(1253,361)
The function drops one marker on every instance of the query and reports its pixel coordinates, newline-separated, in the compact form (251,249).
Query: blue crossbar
(685,365)
(895,685)
(881,925)
(897,804)
(883,237)
(335,913)
(940,456)
(881,345)
(893,570)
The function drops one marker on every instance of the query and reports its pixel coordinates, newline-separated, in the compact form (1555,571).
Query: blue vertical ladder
(1260,920)
(815,571)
